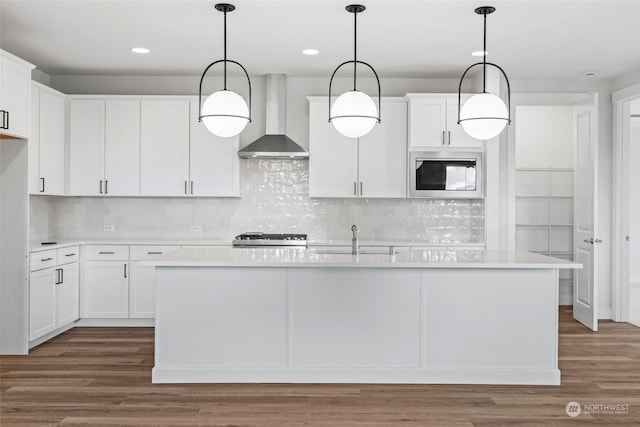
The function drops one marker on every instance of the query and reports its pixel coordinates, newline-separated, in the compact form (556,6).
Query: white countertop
(37,246)
(284,257)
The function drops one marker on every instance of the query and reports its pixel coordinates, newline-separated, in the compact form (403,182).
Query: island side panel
(481,319)
(354,317)
(221,317)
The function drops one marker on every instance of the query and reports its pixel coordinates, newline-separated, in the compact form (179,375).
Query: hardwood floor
(102,376)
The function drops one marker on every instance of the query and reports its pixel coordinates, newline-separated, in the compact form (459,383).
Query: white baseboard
(117,323)
(51,334)
(523,376)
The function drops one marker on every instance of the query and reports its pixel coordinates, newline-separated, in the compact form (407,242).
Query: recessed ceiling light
(479,53)
(311,51)
(140,50)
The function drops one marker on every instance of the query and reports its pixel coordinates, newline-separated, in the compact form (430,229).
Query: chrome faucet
(355,248)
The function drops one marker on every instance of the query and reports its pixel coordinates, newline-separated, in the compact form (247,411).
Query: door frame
(620,216)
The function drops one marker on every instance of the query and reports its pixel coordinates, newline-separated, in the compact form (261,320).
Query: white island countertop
(285,257)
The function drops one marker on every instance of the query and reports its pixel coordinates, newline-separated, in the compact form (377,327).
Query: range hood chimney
(275,144)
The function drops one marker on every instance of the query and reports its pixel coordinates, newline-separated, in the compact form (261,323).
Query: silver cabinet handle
(355,188)
(185,188)
(154,253)
(106,253)
(101,186)
(42,180)
(46,259)
(191,187)
(443,138)
(106,187)
(361,188)
(449,141)
(62,275)
(125,271)
(70,255)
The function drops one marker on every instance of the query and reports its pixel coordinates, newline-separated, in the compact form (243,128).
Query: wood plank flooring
(102,377)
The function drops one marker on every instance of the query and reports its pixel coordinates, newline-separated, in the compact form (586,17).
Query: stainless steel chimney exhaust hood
(275,144)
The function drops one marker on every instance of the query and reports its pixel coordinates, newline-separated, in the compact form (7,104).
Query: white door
(86,147)
(122,148)
(164,148)
(383,154)
(51,142)
(42,302)
(333,158)
(427,122)
(456,136)
(214,163)
(105,289)
(142,291)
(585,287)
(68,295)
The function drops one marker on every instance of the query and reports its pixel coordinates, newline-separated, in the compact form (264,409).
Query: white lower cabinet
(105,282)
(142,281)
(54,290)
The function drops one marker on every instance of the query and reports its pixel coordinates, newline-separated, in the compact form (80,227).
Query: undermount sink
(347,251)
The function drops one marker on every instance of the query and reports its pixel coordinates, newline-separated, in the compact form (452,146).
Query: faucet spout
(355,248)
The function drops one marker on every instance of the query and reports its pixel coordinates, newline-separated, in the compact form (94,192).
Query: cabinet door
(105,289)
(122,148)
(427,122)
(333,158)
(42,302)
(68,295)
(33,143)
(51,142)
(456,136)
(164,148)
(383,154)
(214,163)
(86,147)
(15,86)
(142,291)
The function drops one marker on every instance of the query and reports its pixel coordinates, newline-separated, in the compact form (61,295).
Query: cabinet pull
(191,187)
(57,282)
(100,186)
(361,188)
(62,275)
(106,253)
(106,187)
(5,119)
(46,259)
(2,125)
(449,140)
(154,253)
(355,191)
(185,188)
(443,143)
(70,255)
(6,123)
(42,181)
(125,271)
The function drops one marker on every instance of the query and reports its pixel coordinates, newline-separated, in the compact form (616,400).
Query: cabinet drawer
(106,253)
(44,259)
(138,253)
(68,255)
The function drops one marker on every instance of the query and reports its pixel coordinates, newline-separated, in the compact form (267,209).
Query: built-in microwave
(445,174)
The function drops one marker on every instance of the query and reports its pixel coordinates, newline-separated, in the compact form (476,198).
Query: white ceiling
(529,39)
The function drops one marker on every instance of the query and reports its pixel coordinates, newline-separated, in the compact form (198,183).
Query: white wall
(544,137)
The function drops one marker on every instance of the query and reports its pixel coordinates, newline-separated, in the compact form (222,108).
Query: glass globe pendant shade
(484,116)
(354,114)
(230,113)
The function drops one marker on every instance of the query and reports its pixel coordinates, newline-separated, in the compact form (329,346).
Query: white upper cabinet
(371,166)
(333,158)
(86,147)
(15,95)
(164,148)
(383,153)
(104,147)
(46,143)
(433,123)
(122,148)
(213,161)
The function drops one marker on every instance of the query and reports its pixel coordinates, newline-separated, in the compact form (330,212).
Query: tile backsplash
(275,198)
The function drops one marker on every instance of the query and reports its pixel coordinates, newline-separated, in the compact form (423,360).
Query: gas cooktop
(257,239)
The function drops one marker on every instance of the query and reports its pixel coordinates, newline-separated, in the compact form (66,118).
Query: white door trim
(620,218)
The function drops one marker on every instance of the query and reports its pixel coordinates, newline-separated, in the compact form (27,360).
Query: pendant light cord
(355,47)
(484,60)
(225,50)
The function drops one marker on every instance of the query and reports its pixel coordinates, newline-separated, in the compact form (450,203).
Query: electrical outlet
(196,228)
(109,228)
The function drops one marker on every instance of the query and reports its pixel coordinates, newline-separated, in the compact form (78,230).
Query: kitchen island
(296,315)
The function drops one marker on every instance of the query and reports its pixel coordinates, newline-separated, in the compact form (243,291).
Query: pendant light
(354,113)
(224,113)
(484,115)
